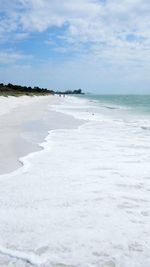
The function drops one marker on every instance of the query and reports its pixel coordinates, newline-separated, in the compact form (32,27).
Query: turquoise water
(135,103)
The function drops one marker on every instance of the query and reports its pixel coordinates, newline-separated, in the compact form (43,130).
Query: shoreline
(24,128)
(85,193)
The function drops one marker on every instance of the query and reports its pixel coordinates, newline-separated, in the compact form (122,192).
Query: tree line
(13,89)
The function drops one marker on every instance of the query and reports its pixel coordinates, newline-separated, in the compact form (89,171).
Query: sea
(84,200)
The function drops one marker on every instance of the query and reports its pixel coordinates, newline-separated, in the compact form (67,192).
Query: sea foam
(84,199)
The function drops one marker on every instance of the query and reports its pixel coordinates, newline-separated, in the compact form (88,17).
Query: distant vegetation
(18,90)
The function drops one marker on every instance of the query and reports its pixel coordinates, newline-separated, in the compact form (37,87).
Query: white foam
(28,258)
(85,197)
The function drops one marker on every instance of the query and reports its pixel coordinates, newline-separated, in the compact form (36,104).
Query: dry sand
(24,123)
(14,112)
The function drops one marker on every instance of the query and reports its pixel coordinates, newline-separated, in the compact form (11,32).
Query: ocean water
(134,103)
(84,200)
(134,109)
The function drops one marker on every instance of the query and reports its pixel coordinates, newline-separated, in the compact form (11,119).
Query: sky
(101,46)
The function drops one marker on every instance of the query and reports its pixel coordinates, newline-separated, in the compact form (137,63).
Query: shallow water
(133,103)
(84,199)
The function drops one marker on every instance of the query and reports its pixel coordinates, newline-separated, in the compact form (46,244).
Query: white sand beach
(74,133)
(83,199)
(24,123)
(14,112)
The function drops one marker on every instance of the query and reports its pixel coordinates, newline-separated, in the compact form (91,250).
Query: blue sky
(100,46)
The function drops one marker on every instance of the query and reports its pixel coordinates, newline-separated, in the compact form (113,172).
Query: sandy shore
(83,200)
(24,123)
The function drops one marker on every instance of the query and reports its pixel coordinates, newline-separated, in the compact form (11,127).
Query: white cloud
(104,25)
(7,56)
(102,32)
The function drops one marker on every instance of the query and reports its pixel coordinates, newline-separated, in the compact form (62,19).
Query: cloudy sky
(101,46)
